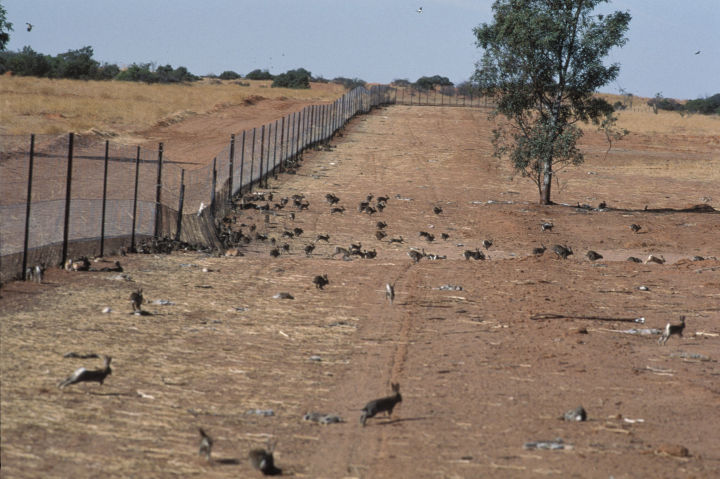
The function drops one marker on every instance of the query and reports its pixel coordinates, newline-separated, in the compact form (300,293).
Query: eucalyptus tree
(543,63)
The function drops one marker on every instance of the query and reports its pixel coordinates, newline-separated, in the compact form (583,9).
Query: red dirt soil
(488,354)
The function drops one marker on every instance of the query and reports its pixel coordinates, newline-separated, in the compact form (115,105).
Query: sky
(375,40)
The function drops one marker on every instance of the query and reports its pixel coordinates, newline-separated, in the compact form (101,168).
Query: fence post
(291,138)
(275,152)
(27,207)
(180,204)
(68,194)
(252,158)
(214,185)
(104,199)
(262,155)
(158,190)
(232,161)
(282,144)
(135,199)
(242,163)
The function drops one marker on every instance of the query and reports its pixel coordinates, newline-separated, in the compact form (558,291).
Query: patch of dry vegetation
(48,106)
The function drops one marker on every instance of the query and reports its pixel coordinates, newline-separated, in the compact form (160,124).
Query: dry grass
(45,106)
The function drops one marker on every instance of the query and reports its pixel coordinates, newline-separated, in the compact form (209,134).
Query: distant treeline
(704,106)
(80,65)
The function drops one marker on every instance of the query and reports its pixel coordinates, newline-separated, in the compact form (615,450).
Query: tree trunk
(546,184)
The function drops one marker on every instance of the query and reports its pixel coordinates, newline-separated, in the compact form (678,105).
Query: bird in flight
(29,26)
(697,52)
(419,10)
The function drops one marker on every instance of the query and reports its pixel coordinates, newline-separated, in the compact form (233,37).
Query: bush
(27,63)
(705,106)
(259,75)
(144,72)
(298,79)
(229,75)
(349,83)
(668,104)
(400,82)
(76,64)
(428,83)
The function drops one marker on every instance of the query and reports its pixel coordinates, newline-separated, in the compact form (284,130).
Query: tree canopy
(5,28)
(542,63)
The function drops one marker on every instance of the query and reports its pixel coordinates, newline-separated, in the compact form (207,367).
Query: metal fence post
(262,153)
(158,190)
(252,158)
(180,204)
(242,163)
(104,200)
(68,194)
(275,152)
(135,199)
(282,144)
(232,161)
(27,207)
(214,185)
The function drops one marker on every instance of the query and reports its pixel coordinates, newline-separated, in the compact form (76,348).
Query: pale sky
(376,40)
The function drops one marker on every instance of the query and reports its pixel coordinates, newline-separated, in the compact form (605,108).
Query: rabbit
(385,404)
(539,251)
(562,251)
(85,375)
(206,444)
(671,329)
(390,292)
(263,461)
(136,298)
(321,281)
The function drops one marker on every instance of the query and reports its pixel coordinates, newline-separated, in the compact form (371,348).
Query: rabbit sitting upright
(385,404)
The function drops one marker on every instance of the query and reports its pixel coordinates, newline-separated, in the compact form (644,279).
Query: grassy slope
(45,106)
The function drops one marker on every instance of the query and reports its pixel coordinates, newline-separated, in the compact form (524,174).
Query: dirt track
(479,377)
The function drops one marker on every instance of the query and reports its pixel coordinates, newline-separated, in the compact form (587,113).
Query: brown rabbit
(385,404)
(136,298)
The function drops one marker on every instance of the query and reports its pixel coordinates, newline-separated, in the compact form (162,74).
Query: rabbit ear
(271,445)
(395,387)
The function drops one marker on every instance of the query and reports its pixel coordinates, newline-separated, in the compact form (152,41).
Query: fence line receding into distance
(68,196)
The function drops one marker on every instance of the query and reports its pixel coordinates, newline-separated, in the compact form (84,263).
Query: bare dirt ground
(480,375)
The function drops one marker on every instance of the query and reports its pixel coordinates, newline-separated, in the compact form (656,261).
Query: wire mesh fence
(72,195)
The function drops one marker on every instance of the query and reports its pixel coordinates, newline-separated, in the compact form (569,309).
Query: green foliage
(542,62)
(5,29)
(400,82)
(27,63)
(429,83)
(662,103)
(229,75)
(259,75)
(76,64)
(144,72)
(79,64)
(705,106)
(349,83)
(298,79)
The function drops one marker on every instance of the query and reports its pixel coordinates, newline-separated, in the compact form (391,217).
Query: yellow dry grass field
(47,106)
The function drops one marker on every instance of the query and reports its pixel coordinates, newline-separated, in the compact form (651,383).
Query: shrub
(428,83)
(705,106)
(76,64)
(400,82)
(259,75)
(299,79)
(349,83)
(229,75)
